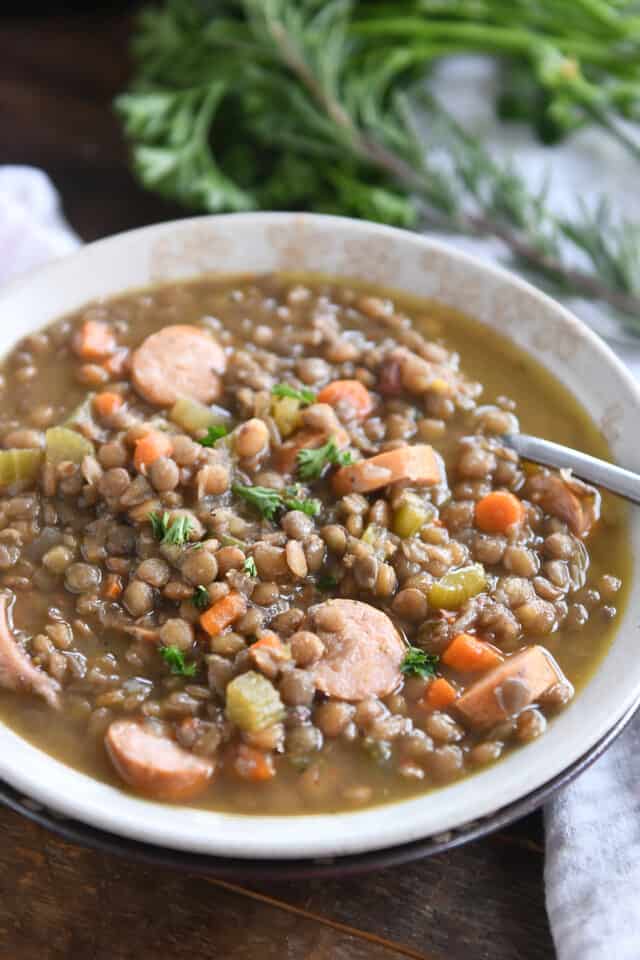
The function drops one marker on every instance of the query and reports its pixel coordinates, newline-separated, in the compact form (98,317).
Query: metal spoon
(623,482)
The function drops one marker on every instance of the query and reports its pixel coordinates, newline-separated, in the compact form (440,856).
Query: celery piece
(286,413)
(253,703)
(194,416)
(452,590)
(65,444)
(410,517)
(19,468)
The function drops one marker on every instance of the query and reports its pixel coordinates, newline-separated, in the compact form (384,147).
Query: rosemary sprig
(242,104)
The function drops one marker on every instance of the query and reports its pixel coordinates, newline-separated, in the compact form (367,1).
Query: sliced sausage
(569,500)
(177,361)
(363,650)
(414,464)
(17,672)
(307,439)
(156,766)
(509,688)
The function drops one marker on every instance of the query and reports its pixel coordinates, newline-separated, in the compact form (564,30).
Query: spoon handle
(623,482)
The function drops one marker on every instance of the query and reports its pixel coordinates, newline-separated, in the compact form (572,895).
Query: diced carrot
(469,655)
(223,612)
(112,587)
(253,765)
(499,511)
(106,403)
(351,392)
(438,696)
(150,448)
(416,464)
(94,340)
(268,641)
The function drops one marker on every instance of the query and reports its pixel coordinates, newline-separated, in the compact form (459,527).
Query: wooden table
(485,900)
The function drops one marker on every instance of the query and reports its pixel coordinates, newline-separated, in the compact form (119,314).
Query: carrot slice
(350,392)
(439,695)
(416,464)
(253,765)
(106,403)
(223,612)
(150,448)
(499,511)
(468,654)
(482,706)
(94,340)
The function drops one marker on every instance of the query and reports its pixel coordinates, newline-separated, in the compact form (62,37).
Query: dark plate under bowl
(226,868)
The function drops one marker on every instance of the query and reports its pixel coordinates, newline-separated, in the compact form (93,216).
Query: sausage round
(363,650)
(156,766)
(179,360)
(17,672)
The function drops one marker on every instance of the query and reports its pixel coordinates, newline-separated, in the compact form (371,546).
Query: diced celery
(452,590)
(195,417)
(19,468)
(410,517)
(253,703)
(65,444)
(286,413)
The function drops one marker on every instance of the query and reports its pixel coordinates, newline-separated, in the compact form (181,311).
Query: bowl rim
(40,776)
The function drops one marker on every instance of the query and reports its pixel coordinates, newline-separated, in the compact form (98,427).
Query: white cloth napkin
(32,228)
(592,870)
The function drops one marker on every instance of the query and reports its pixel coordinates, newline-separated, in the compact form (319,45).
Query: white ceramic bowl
(268,242)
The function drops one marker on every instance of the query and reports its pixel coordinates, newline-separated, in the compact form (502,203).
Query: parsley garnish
(292,501)
(417,663)
(174,659)
(311,462)
(265,500)
(268,501)
(213,434)
(304,395)
(200,598)
(327,582)
(159,524)
(249,566)
(176,533)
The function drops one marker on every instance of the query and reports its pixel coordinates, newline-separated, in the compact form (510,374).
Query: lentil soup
(262,550)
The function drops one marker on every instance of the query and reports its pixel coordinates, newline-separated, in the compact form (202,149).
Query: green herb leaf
(293,501)
(417,663)
(159,524)
(249,567)
(304,105)
(311,462)
(174,658)
(269,502)
(304,395)
(178,531)
(214,433)
(200,598)
(263,499)
(327,582)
